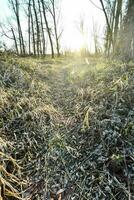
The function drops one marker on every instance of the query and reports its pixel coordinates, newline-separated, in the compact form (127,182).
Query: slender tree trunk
(15,41)
(109,31)
(15,6)
(29,27)
(55,28)
(19,28)
(33,35)
(48,29)
(42,30)
(37,29)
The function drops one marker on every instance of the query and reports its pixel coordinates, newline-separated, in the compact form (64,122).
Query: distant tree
(113,14)
(29,15)
(7,32)
(47,27)
(15,41)
(109,34)
(42,20)
(33,34)
(51,7)
(29,27)
(16,8)
(95,37)
(37,27)
(42,29)
(83,32)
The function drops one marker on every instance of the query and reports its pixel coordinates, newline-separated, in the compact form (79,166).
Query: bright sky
(72,12)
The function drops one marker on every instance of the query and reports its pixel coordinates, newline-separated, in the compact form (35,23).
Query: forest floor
(66,128)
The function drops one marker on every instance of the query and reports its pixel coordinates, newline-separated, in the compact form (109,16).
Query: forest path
(63,88)
(62,91)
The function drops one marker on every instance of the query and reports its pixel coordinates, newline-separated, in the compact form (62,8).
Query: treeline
(43,35)
(41,17)
(119,38)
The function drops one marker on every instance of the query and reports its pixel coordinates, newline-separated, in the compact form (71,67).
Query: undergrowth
(70,126)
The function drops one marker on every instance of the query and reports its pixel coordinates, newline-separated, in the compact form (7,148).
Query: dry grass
(70,126)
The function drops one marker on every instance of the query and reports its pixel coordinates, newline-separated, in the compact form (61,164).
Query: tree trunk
(29,27)
(127,33)
(15,6)
(37,29)
(42,30)
(15,41)
(33,35)
(48,29)
(109,36)
(117,19)
(55,28)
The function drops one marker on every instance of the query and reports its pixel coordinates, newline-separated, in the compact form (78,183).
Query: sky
(72,12)
(75,10)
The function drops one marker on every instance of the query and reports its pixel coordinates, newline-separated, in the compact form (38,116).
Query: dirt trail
(63,92)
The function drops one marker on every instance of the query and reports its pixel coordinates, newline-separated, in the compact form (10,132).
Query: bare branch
(95,5)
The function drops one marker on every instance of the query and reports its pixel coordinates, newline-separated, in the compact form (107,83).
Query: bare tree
(42,29)
(33,34)
(53,14)
(109,34)
(41,21)
(113,13)
(95,37)
(15,41)
(83,32)
(29,26)
(37,28)
(15,6)
(6,32)
(47,28)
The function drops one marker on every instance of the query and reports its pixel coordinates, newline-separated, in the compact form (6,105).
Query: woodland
(66,117)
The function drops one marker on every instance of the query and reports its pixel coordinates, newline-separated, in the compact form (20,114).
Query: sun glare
(72,38)
(72,12)
(74,43)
